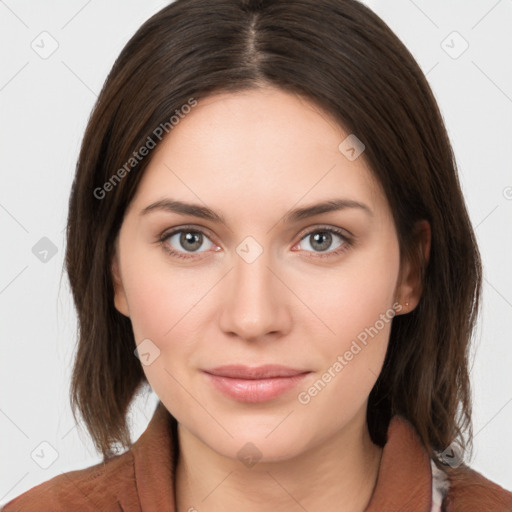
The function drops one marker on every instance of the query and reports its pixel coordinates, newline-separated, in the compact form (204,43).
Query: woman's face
(270,284)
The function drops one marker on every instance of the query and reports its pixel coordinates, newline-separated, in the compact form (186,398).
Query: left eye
(322,240)
(189,240)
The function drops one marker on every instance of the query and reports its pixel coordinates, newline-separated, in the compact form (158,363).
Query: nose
(256,303)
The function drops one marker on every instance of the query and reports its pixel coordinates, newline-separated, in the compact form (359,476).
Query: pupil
(192,238)
(324,239)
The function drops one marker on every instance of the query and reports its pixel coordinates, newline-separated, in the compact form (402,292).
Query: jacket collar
(154,455)
(404,481)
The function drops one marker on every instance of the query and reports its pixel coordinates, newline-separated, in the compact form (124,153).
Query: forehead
(255,150)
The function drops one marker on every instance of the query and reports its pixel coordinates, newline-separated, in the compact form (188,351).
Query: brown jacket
(141,479)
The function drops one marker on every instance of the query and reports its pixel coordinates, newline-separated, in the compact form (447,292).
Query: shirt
(142,479)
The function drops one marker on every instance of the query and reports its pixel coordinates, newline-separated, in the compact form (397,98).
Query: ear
(410,285)
(120,300)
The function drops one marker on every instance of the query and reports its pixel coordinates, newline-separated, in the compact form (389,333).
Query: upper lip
(254,372)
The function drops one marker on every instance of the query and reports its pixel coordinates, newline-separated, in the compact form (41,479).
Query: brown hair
(344,58)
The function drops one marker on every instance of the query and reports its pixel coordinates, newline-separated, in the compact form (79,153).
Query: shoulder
(469,490)
(99,487)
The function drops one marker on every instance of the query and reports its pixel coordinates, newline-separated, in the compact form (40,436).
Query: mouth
(254,384)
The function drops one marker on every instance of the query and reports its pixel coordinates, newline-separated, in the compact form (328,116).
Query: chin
(265,438)
(250,450)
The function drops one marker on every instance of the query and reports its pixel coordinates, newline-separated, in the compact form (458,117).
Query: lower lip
(254,390)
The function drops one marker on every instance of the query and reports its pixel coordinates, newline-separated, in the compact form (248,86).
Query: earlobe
(410,286)
(120,301)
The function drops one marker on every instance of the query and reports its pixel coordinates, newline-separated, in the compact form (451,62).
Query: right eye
(183,242)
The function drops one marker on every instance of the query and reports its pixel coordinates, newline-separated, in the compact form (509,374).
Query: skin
(252,157)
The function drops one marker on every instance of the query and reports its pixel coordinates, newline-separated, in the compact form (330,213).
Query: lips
(254,372)
(254,384)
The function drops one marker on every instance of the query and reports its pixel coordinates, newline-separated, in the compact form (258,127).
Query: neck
(339,474)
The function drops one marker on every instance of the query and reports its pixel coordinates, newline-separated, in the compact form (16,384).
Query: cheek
(162,310)
(353,297)
(168,306)
(159,296)
(365,297)
(153,309)
(356,304)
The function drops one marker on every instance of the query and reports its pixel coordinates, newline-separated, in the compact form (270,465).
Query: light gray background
(45,104)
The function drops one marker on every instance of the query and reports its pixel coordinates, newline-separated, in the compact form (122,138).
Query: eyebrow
(331,205)
(203,212)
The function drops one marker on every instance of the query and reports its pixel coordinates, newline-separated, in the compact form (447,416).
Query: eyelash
(347,241)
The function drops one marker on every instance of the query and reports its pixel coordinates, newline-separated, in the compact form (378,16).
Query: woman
(267,229)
